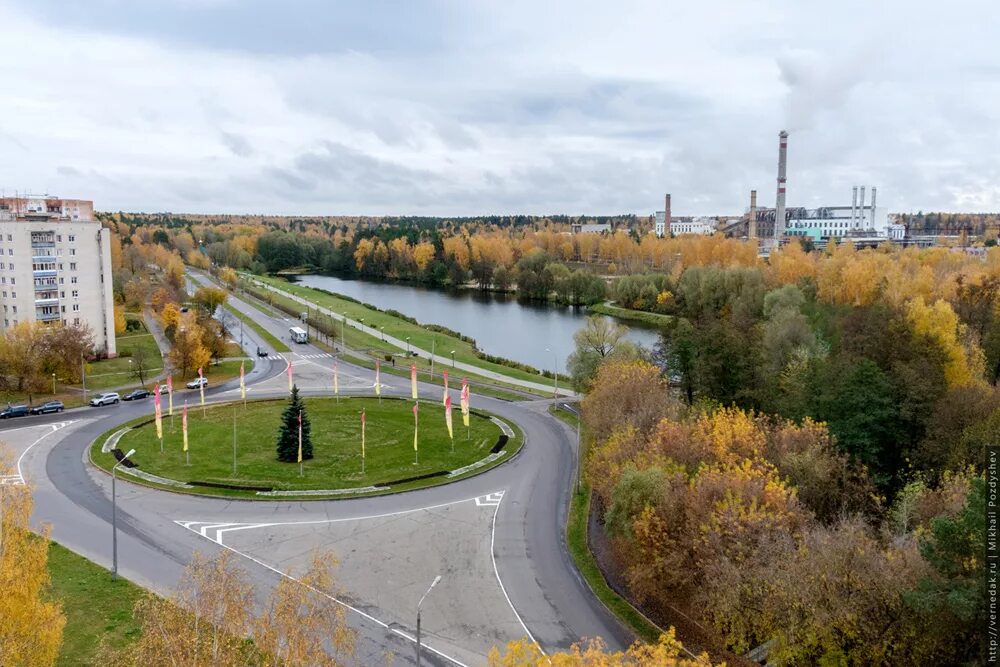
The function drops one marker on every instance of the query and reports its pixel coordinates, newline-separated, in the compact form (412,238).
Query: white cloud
(483,108)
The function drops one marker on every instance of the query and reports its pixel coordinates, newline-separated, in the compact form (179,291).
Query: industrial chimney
(666,214)
(779,206)
(873,206)
(861,209)
(752,220)
(854,207)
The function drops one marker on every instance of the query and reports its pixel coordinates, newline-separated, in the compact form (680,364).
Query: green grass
(565,416)
(258,329)
(420,337)
(108,373)
(640,316)
(96,607)
(336,434)
(579,550)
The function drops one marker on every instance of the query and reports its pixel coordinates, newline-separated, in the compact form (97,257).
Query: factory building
(857,221)
(55,266)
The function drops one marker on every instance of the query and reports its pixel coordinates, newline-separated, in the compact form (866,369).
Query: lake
(501,325)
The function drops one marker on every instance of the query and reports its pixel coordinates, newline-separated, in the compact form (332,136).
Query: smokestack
(779,207)
(861,209)
(873,206)
(854,207)
(752,221)
(666,214)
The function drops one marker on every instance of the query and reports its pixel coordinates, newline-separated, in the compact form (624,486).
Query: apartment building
(55,266)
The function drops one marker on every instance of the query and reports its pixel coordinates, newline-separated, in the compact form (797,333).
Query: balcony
(47,301)
(45,286)
(43,258)
(46,317)
(44,273)
(43,244)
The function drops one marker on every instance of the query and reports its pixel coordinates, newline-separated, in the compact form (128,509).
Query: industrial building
(55,266)
(665,223)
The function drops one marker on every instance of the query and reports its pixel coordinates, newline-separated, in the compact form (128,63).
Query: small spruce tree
(288,432)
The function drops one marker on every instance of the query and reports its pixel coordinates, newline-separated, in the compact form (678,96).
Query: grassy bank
(420,336)
(336,436)
(627,314)
(270,339)
(96,606)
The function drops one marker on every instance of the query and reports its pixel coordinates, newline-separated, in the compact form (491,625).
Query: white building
(703,226)
(660,227)
(590,228)
(844,222)
(55,266)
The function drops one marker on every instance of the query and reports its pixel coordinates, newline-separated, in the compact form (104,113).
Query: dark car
(136,395)
(14,411)
(51,406)
(261,353)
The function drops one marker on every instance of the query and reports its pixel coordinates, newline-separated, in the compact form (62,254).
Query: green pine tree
(288,432)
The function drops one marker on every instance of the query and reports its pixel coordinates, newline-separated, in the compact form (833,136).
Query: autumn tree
(626,393)
(209,299)
(120,322)
(188,351)
(228,277)
(22,358)
(667,652)
(600,339)
(31,625)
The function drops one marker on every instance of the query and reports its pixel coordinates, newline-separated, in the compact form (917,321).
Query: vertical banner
(378,381)
(300,443)
(416,452)
(444,374)
(362,434)
(243,385)
(159,416)
(447,419)
(413,381)
(289,376)
(184,429)
(465,402)
(201,388)
(170,399)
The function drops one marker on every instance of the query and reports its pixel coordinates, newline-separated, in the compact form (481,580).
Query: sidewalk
(469,368)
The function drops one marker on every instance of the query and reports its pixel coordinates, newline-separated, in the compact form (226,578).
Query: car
(136,395)
(109,398)
(14,411)
(262,352)
(197,382)
(163,389)
(51,406)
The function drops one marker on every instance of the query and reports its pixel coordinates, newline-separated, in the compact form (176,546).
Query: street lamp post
(382,329)
(53,384)
(433,584)
(453,359)
(407,347)
(114,515)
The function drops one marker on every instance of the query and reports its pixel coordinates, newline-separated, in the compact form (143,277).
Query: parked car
(109,398)
(51,406)
(261,352)
(163,389)
(136,395)
(197,382)
(14,411)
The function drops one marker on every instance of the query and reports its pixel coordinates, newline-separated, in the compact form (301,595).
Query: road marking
(490,500)
(190,525)
(55,427)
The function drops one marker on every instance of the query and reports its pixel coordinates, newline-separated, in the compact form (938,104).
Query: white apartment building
(55,266)
(702,226)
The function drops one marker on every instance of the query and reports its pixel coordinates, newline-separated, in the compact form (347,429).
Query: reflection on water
(501,324)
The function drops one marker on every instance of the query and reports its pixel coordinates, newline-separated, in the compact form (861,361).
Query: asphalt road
(520,506)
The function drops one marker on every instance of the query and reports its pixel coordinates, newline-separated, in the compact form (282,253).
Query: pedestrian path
(323,355)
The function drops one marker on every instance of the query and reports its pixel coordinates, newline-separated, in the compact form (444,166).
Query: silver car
(109,398)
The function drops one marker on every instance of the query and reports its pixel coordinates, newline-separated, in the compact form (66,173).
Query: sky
(315,107)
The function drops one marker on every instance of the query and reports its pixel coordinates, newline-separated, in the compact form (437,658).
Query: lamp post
(382,329)
(114,515)
(555,373)
(343,327)
(433,584)
(453,359)
(407,346)
(54,384)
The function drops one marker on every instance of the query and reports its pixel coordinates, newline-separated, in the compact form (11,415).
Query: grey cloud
(236,143)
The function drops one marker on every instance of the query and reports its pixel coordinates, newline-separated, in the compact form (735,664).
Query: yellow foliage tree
(667,652)
(31,627)
(120,322)
(964,365)
(228,277)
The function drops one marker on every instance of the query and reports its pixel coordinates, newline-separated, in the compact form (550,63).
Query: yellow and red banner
(447,416)
(289,376)
(170,397)
(159,414)
(465,402)
(413,381)
(378,379)
(201,387)
(243,384)
(362,434)
(184,425)
(444,398)
(415,424)
(336,382)
(300,436)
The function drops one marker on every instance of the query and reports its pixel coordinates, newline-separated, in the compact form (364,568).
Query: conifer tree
(288,432)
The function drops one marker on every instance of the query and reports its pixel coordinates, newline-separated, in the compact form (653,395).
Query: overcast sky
(466,107)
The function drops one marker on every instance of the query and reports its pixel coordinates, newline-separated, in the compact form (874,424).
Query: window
(72,251)
(76,320)
(76,307)
(12,268)
(63,308)
(72,266)
(61,280)
(76,294)
(72,238)
(1,265)
(62,295)
(13,295)
(5,308)
(10,238)
(60,266)
(12,280)
(10,251)
(59,238)
(5,294)
(72,280)
(14,309)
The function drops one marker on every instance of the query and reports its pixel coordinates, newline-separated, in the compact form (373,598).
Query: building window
(76,294)
(1,265)
(63,308)
(61,281)
(72,266)
(76,320)
(76,306)
(13,295)
(62,295)
(59,238)
(14,309)
(10,238)
(72,251)
(72,238)
(5,294)
(72,280)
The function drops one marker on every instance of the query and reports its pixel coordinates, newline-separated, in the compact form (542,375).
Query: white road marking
(55,427)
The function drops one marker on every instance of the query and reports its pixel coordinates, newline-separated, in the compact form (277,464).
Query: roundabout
(232,448)
(495,535)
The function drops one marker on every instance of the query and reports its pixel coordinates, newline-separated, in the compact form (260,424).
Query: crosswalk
(323,355)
